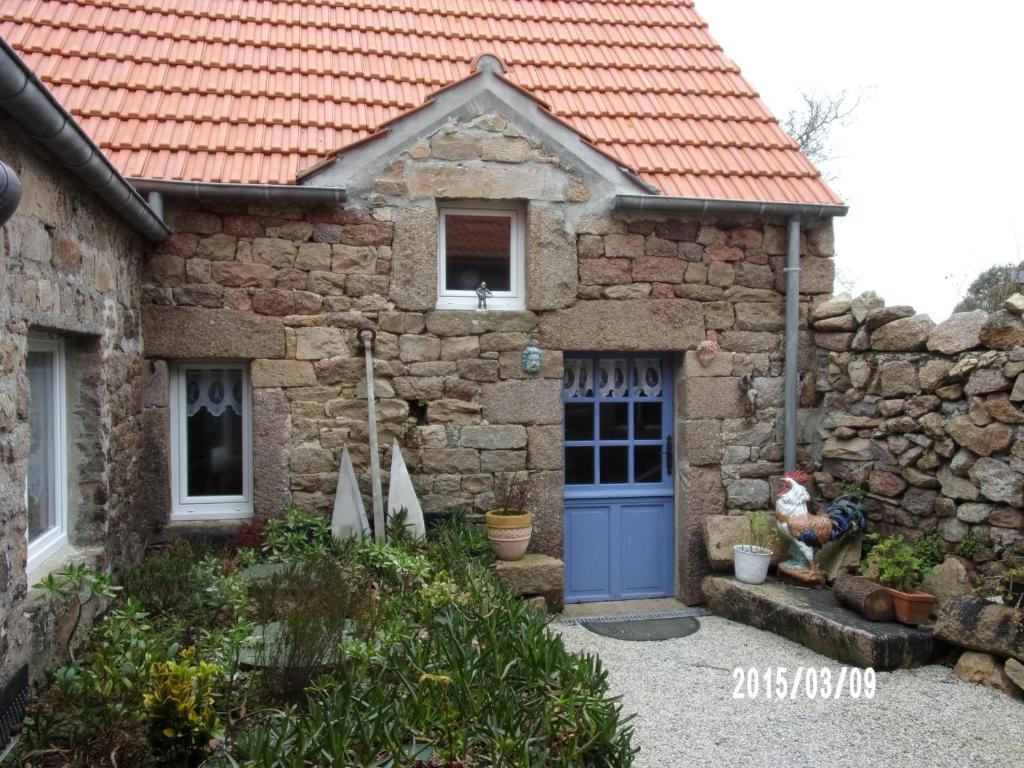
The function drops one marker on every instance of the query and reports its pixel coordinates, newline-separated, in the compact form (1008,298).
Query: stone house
(609,175)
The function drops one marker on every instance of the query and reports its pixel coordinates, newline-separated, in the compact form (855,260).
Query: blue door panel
(645,571)
(588,551)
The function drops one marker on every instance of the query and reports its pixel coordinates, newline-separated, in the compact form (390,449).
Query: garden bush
(397,654)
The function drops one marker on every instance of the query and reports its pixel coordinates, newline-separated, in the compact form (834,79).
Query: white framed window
(211,441)
(481,244)
(47,477)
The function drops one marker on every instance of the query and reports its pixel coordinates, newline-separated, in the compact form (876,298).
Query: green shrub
(897,564)
(929,549)
(179,706)
(296,535)
(971,546)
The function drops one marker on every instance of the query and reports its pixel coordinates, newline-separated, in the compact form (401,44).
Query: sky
(932,163)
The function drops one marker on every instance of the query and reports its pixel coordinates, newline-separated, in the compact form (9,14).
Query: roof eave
(712,205)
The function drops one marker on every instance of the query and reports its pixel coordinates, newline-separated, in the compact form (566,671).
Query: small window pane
(647,464)
(42,506)
(614,464)
(647,421)
(214,402)
(614,421)
(579,466)
(579,421)
(478,249)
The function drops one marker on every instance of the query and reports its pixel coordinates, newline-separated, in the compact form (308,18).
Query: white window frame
(514,299)
(55,539)
(190,508)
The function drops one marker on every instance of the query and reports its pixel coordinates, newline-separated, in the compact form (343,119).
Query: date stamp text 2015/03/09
(781,683)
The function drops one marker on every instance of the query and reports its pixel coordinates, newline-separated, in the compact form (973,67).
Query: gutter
(794,212)
(30,104)
(297,194)
(714,205)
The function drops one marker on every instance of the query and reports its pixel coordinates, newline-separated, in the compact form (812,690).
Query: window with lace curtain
(211,456)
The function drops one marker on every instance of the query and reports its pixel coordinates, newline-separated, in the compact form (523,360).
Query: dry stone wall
(927,418)
(68,267)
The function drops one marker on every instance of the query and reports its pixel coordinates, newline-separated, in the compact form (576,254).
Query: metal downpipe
(792,341)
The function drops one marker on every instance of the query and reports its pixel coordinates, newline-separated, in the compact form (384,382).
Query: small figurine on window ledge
(481,296)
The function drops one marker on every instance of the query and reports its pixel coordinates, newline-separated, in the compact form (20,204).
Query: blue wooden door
(619,531)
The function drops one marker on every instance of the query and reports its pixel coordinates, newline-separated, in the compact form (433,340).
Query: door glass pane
(614,464)
(478,249)
(42,512)
(614,421)
(214,401)
(647,421)
(647,464)
(579,466)
(579,421)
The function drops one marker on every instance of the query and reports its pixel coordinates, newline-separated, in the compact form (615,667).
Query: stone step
(813,618)
(535,575)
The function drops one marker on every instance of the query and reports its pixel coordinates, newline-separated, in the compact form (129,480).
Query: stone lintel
(198,333)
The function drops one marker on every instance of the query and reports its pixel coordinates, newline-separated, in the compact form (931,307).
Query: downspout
(31,105)
(10,192)
(790,382)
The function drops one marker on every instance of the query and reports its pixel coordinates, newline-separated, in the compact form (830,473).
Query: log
(981,626)
(864,596)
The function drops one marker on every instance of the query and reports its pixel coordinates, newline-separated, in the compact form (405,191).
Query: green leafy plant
(296,535)
(929,549)
(78,585)
(971,546)
(763,531)
(896,563)
(180,706)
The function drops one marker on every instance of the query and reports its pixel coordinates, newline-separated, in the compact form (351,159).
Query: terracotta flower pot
(911,607)
(509,534)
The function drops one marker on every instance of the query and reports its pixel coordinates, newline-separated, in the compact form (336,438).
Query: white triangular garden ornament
(349,518)
(401,495)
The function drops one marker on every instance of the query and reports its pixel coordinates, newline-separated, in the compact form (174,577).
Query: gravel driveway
(682,694)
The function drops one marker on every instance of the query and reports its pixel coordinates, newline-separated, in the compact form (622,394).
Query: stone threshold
(535,575)
(813,618)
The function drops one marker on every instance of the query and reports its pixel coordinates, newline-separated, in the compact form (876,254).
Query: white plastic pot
(751,563)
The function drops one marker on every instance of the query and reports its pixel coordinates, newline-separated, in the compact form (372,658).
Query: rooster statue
(809,533)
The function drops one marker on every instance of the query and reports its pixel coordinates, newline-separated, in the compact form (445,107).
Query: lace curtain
(215,389)
(611,376)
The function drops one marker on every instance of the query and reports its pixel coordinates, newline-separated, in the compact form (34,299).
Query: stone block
(451,411)
(1003,331)
(714,398)
(815,620)
(605,271)
(702,442)
(545,446)
(502,461)
(982,440)
(497,182)
(318,342)
(629,325)
(493,436)
(719,365)
(659,269)
(450,460)
(960,332)
(998,482)
(907,334)
(414,348)
(702,496)
(761,317)
(535,574)
(198,333)
(985,669)
(414,259)
(551,275)
(723,532)
(470,322)
(505,149)
(282,373)
(618,246)
(238,274)
(747,493)
(522,401)
(270,426)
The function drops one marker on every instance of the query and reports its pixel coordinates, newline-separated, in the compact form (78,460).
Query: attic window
(480,246)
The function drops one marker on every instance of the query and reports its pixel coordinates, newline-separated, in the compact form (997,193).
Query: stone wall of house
(927,419)
(68,267)
(287,289)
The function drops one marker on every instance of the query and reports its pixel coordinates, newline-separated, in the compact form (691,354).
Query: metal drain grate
(12,704)
(682,613)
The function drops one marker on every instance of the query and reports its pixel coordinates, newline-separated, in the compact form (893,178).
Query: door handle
(669,454)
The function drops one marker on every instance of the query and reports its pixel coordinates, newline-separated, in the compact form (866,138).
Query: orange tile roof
(257,90)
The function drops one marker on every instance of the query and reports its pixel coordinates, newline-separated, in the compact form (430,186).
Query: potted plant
(509,525)
(751,561)
(900,570)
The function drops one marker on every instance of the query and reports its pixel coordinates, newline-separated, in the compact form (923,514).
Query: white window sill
(492,305)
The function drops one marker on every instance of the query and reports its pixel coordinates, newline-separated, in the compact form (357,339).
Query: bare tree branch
(811,125)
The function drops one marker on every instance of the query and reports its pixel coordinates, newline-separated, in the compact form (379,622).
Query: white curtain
(215,389)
